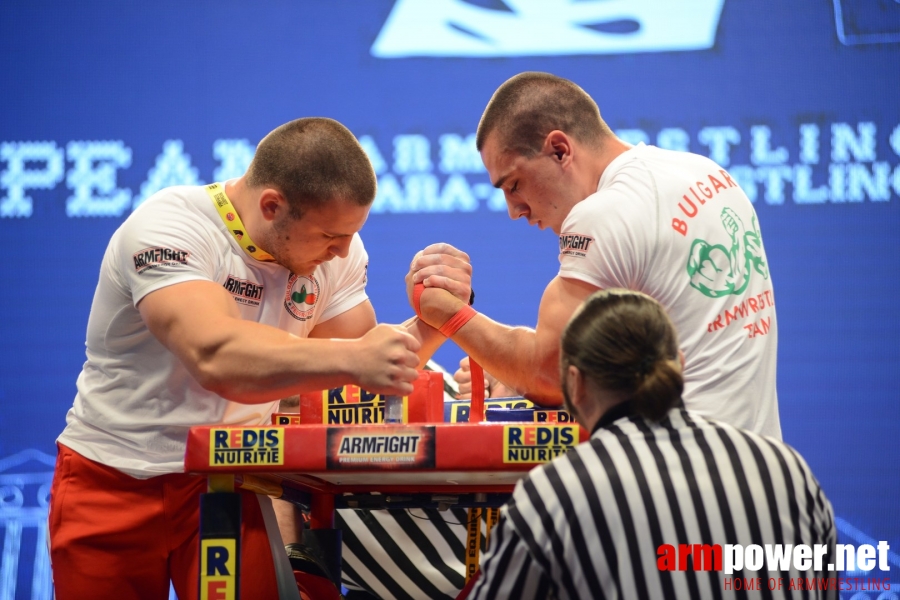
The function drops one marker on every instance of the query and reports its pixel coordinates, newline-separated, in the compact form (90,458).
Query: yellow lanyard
(234,224)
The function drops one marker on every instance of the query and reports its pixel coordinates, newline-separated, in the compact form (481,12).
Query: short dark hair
(530,105)
(312,161)
(625,343)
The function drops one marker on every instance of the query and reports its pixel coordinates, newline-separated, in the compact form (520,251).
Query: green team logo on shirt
(718,271)
(301,296)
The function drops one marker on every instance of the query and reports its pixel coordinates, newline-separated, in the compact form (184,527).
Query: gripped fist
(438,306)
(386,360)
(493,387)
(441,266)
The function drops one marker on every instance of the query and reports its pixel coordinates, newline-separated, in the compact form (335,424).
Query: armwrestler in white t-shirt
(671,224)
(136,399)
(212,304)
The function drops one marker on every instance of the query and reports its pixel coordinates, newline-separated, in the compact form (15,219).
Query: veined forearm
(513,355)
(253,363)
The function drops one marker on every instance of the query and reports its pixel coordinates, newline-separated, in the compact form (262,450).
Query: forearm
(525,358)
(513,355)
(252,363)
(430,338)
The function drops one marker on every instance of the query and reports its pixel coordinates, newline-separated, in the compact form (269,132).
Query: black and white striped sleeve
(509,570)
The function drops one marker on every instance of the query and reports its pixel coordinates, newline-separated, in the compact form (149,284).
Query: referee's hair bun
(658,390)
(625,343)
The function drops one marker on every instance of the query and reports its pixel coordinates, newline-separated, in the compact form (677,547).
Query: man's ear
(272,204)
(575,386)
(558,145)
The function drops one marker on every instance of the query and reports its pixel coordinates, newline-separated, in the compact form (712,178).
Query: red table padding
(468,457)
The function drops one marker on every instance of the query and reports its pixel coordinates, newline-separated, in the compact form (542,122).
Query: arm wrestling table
(372,466)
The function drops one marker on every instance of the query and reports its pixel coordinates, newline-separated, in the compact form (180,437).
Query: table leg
(322,538)
(220,540)
(321,513)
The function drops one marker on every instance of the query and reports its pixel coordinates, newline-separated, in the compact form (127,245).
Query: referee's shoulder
(763,443)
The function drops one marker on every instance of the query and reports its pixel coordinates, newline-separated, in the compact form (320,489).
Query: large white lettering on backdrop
(813,164)
(546,27)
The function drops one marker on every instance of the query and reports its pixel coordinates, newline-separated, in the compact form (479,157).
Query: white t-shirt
(135,400)
(677,227)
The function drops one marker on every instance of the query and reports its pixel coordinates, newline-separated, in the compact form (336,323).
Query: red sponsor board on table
(451,457)
(317,448)
(351,405)
(383,447)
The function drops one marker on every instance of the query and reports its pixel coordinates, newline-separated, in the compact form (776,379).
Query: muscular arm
(361,318)
(252,363)
(525,358)
(429,338)
(353,323)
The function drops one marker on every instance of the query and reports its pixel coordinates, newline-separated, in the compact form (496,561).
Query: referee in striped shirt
(590,523)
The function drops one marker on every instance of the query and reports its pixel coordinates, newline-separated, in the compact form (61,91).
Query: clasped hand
(446,274)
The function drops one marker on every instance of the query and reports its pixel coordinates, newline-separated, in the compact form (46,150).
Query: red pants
(117,537)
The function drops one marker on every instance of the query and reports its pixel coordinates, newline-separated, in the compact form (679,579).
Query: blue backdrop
(104,103)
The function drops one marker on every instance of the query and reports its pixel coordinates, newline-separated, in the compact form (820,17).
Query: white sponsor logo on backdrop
(546,27)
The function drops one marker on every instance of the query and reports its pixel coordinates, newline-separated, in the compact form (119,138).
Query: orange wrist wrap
(463,316)
(417,298)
